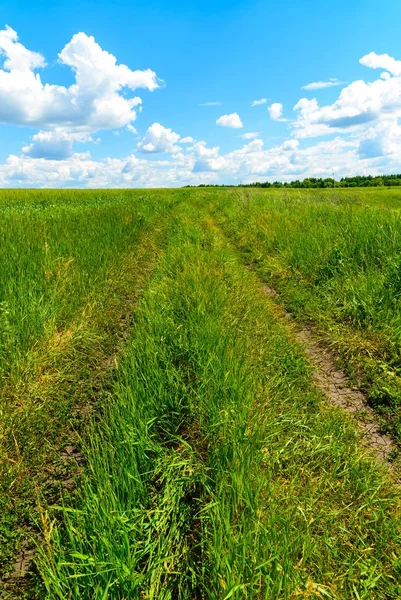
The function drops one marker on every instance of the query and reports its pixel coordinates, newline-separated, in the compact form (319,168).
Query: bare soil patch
(337,389)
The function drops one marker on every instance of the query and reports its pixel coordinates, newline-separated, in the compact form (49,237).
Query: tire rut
(333,382)
(338,391)
(65,474)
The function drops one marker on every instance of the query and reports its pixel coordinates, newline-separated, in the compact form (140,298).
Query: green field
(162,435)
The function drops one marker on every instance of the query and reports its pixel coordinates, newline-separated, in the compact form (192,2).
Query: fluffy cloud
(46,144)
(98,99)
(233,120)
(159,139)
(377,152)
(259,102)
(252,161)
(275,111)
(80,170)
(251,135)
(207,159)
(359,104)
(290,145)
(18,58)
(365,123)
(382,61)
(380,140)
(54,145)
(319,85)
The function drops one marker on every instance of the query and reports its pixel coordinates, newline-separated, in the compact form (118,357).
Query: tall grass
(337,262)
(71,263)
(56,250)
(213,470)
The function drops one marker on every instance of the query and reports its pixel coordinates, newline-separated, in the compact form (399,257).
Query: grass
(74,266)
(335,258)
(213,469)
(56,252)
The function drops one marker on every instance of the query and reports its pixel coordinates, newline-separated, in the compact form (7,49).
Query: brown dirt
(338,390)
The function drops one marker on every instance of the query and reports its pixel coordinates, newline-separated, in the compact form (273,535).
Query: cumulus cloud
(207,159)
(158,139)
(365,123)
(259,102)
(233,120)
(319,85)
(380,140)
(377,152)
(54,145)
(17,57)
(290,145)
(251,135)
(370,148)
(252,160)
(275,111)
(359,105)
(382,61)
(98,99)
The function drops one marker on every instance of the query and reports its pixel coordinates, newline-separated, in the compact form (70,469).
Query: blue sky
(69,73)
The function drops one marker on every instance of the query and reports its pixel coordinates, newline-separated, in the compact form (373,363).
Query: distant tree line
(318,182)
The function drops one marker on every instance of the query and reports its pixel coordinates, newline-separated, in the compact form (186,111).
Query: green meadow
(335,258)
(135,333)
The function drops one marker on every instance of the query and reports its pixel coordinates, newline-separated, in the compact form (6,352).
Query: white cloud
(94,101)
(251,135)
(55,145)
(358,106)
(259,102)
(380,140)
(18,58)
(290,145)
(252,160)
(207,159)
(382,61)
(365,118)
(379,151)
(211,104)
(159,139)
(233,120)
(80,170)
(319,85)
(275,111)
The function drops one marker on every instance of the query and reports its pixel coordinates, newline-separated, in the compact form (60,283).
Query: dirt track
(336,387)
